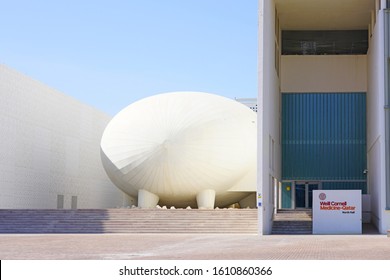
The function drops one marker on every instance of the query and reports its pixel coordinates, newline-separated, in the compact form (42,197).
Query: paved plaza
(194,247)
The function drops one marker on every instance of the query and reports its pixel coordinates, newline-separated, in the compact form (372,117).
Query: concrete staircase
(292,221)
(172,221)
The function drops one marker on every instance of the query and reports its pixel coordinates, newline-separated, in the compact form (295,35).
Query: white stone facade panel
(50,146)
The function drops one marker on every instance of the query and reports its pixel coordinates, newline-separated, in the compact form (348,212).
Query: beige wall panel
(324,73)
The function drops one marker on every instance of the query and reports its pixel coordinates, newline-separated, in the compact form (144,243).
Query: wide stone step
(218,221)
(291,233)
(292,221)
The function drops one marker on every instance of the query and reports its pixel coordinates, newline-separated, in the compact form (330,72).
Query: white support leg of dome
(206,199)
(147,199)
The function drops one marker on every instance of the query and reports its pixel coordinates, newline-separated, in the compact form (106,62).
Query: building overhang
(324,14)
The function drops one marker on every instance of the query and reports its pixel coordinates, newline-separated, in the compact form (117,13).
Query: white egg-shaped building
(182,148)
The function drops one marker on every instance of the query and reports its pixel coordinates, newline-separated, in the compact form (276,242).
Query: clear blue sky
(111,53)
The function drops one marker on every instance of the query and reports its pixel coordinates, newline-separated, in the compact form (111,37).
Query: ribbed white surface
(177,144)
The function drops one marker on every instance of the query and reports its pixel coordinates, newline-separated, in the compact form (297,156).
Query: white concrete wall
(376,127)
(269,115)
(49,146)
(324,73)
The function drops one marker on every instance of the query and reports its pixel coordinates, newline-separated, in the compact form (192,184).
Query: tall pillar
(206,199)
(147,199)
(387,105)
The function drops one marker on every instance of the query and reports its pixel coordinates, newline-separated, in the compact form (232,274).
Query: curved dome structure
(180,146)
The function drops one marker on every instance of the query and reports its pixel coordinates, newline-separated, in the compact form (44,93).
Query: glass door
(304,194)
(300,196)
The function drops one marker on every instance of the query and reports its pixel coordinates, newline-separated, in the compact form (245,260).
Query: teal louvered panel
(323,136)
(345,186)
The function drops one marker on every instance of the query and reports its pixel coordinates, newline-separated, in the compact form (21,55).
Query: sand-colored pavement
(193,247)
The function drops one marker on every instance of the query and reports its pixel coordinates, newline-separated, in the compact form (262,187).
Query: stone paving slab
(193,247)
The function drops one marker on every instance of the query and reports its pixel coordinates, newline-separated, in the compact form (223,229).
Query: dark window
(324,42)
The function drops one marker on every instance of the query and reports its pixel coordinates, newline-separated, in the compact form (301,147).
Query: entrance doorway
(304,194)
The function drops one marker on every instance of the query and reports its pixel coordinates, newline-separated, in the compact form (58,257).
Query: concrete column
(387,105)
(206,199)
(147,199)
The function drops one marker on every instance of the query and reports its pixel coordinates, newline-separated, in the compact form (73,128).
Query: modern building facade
(49,152)
(323,92)
(50,156)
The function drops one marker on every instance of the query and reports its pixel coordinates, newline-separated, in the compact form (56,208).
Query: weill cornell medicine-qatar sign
(337,212)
